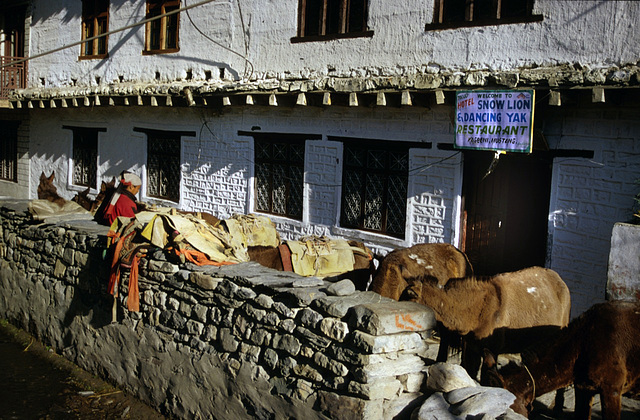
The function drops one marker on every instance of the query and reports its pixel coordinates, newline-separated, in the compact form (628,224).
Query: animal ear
(53,174)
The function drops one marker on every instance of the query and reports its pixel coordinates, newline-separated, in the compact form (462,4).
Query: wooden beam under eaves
(273,101)
(597,94)
(406,98)
(86,101)
(63,103)
(381,99)
(169,101)
(302,99)
(140,103)
(249,100)
(326,99)
(439,97)
(226,101)
(52,103)
(353,99)
(96,101)
(74,102)
(126,101)
(554,98)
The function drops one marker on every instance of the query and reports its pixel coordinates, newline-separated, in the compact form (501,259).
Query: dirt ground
(39,384)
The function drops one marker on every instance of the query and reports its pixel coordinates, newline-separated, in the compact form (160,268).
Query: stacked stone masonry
(213,342)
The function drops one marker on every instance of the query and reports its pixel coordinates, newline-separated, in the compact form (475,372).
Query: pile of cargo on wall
(216,342)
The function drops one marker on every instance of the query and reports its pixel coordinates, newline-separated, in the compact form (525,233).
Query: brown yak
(441,261)
(437,260)
(599,352)
(483,311)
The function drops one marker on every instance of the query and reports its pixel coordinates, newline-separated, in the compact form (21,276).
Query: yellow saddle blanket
(214,242)
(321,256)
(252,230)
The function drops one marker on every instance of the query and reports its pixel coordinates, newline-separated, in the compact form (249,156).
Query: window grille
(374,187)
(85,157)
(327,19)
(162,34)
(95,21)
(279,176)
(8,150)
(163,165)
(457,13)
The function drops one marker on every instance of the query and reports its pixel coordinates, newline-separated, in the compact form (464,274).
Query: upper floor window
(329,19)
(161,35)
(457,13)
(85,156)
(279,174)
(95,21)
(374,187)
(9,150)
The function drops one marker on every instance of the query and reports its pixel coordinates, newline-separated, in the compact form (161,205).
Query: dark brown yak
(439,261)
(484,311)
(599,352)
(48,191)
(363,269)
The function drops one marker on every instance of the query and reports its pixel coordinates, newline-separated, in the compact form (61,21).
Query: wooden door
(506,211)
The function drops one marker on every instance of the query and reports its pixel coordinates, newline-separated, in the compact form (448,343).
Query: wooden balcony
(13,75)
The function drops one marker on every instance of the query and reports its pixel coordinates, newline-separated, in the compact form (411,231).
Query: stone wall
(213,342)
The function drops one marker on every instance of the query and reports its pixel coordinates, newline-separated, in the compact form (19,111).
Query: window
(162,33)
(329,19)
(9,150)
(374,187)
(95,21)
(163,165)
(279,174)
(85,157)
(457,13)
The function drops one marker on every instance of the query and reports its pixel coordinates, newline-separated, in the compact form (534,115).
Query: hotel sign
(495,120)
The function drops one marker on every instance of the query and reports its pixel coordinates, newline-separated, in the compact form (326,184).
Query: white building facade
(337,118)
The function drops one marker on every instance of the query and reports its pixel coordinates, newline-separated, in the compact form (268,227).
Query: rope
(533,381)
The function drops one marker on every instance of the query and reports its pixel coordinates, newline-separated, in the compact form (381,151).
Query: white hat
(129,178)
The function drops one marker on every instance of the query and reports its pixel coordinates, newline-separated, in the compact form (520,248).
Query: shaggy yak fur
(438,261)
(363,269)
(48,191)
(441,261)
(485,311)
(599,352)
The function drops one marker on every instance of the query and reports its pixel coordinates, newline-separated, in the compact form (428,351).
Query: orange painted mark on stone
(406,323)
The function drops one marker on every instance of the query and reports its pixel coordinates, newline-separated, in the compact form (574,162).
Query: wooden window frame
(91,23)
(366,145)
(342,14)
(9,150)
(159,27)
(475,17)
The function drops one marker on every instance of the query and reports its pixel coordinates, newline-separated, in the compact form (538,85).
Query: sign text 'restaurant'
(496,120)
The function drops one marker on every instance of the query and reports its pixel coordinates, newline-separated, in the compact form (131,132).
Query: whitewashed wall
(217,170)
(594,34)
(590,195)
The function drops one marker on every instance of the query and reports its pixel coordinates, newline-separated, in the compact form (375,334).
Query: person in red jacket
(123,202)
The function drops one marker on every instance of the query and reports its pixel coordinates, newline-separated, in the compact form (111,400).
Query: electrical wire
(133,25)
(247,61)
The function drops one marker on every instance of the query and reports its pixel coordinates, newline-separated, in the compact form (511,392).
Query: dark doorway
(506,211)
